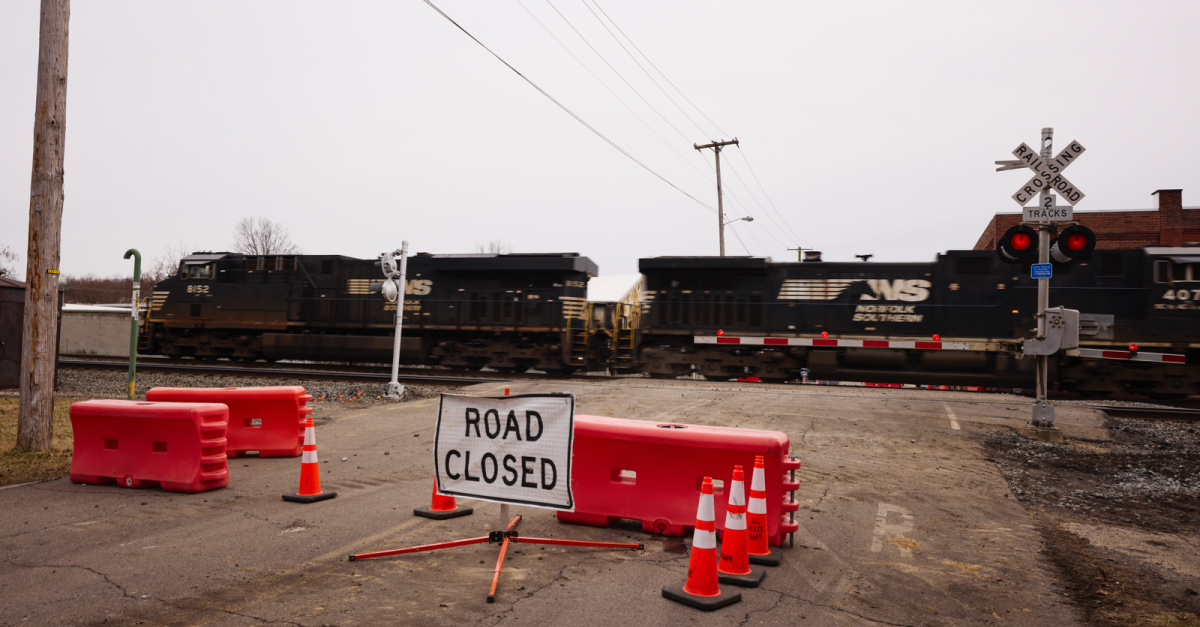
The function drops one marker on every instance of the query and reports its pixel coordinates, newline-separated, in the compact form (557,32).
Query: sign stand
(1047,178)
(503,537)
(511,439)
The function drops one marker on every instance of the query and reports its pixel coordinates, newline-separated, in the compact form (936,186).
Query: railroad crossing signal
(1047,172)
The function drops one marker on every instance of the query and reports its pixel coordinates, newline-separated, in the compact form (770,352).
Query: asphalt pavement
(903,522)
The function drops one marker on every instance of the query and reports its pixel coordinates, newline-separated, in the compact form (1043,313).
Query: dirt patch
(1120,518)
(17,466)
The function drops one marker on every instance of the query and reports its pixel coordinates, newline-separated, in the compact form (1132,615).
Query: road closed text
(527,470)
(513,449)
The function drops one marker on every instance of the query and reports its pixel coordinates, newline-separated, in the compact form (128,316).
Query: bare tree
(260,236)
(10,261)
(166,263)
(495,247)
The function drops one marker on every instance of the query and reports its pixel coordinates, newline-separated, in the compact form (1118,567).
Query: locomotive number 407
(1182,294)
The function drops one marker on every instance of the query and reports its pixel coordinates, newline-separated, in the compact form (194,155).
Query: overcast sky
(864,127)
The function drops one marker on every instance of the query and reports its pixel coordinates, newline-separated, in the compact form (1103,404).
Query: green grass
(26,466)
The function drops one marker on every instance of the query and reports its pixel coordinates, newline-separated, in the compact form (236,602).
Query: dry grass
(26,466)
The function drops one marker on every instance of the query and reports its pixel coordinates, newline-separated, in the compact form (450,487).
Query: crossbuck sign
(1048,174)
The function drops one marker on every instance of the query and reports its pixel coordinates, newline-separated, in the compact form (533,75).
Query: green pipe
(133,322)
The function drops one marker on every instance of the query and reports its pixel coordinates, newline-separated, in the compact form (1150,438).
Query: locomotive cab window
(1177,270)
(196,271)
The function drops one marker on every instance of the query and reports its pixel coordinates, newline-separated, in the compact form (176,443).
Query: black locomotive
(521,311)
(507,312)
(1146,298)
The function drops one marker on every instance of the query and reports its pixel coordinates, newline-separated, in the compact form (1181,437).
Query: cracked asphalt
(904,521)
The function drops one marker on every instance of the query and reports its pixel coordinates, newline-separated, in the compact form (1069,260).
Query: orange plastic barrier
(179,446)
(652,472)
(269,420)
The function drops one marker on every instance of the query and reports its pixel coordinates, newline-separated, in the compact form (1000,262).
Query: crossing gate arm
(1166,358)
(841,343)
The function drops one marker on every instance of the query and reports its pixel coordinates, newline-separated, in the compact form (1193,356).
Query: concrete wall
(94,331)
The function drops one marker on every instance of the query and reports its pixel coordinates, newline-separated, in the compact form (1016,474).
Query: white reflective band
(1171,358)
(737,493)
(310,437)
(832,343)
(757,506)
(706,509)
(309,457)
(704,540)
(737,522)
(758,483)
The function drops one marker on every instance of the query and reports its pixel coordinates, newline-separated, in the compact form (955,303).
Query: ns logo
(418,287)
(908,290)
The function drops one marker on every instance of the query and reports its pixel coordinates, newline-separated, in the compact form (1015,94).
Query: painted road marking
(893,532)
(953,418)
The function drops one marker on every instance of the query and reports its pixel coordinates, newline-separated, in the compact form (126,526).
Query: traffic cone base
(773,558)
(442,507)
(309,498)
(310,471)
(746,581)
(426,512)
(725,597)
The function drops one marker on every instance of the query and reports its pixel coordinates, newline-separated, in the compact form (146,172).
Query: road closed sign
(507,449)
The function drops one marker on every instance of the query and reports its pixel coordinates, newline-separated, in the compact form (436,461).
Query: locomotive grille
(358,286)
(157,300)
(573,307)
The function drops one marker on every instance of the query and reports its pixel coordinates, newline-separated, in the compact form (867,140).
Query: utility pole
(35,417)
(716,146)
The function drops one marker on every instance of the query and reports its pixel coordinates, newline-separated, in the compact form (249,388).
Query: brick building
(1171,224)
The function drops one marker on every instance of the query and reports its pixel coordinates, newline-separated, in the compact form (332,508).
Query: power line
(615,71)
(638,63)
(631,110)
(660,72)
(567,110)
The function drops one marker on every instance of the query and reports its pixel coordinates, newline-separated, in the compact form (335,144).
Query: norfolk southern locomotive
(509,312)
(850,321)
(845,321)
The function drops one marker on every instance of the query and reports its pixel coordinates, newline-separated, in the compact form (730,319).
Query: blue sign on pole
(1042,270)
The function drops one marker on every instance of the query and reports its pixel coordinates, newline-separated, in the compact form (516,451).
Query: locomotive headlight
(390,290)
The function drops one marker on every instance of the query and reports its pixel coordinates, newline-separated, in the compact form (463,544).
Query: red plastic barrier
(269,420)
(180,446)
(651,472)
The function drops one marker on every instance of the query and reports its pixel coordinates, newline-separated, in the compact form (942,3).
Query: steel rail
(242,371)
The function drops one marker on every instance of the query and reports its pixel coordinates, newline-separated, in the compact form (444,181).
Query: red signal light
(1076,242)
(937,338)
(824,334)
(1133,348)
(1019,244)
(720,333)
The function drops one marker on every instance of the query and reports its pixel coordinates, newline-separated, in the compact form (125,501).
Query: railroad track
(1183,414)
(307,371)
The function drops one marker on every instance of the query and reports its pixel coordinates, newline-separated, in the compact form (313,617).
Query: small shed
(12,322)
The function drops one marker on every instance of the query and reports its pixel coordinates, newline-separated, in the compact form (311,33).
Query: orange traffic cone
(756,523)
(310,472)
(441,507)
(700,590)
(735,565)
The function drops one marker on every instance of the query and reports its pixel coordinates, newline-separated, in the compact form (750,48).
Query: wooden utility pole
(45,220)
(716,146)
